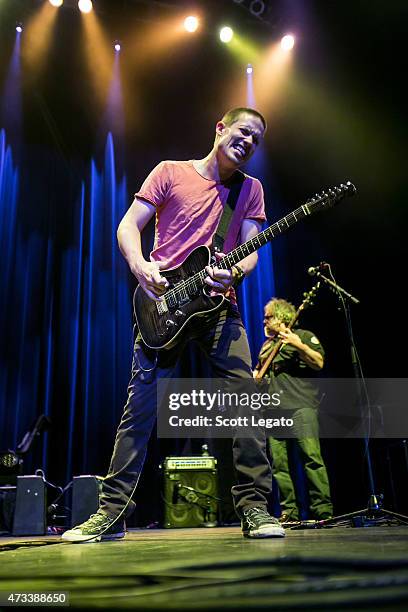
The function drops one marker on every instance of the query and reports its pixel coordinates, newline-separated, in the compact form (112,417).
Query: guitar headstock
(330,197)
(309,296)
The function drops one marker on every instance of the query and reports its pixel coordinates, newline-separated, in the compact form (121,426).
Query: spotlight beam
(38,37)
(98,53)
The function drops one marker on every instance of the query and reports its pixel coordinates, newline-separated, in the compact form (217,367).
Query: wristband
(239,275)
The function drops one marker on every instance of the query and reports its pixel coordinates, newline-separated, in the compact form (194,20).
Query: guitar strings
(229,259)
(331,196)
(226,262)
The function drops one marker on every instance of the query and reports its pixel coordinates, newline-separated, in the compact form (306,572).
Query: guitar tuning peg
(351,188)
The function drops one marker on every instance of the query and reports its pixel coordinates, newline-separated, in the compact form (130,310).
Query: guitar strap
(235,184)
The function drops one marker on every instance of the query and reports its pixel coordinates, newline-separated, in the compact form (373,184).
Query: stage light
(191,23)
(288,42)
(56,3)
(8,461)
(85,6)
(117,46)
(226,34)
(249,69)
(19,28)
(257,7)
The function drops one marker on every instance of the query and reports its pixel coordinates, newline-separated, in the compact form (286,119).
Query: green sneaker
(258,523)
(93,530)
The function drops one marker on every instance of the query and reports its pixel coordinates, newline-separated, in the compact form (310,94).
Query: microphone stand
(342,292)
(374,511)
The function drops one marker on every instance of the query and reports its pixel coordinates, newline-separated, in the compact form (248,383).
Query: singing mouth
(240,149)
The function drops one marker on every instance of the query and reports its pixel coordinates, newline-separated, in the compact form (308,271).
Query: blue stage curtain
(65,317)
(9,183)
(259,287)
(66,311)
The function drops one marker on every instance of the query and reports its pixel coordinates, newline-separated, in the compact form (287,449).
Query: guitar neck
(255,243)
(319,202)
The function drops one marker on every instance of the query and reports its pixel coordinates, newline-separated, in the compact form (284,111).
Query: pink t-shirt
(189,208)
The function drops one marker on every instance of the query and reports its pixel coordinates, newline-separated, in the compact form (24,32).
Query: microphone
(320,268)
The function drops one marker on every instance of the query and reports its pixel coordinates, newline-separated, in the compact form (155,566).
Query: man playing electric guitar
(188,198)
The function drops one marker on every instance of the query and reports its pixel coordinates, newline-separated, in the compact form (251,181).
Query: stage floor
(214,569)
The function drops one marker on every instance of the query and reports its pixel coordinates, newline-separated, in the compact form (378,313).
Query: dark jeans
(312,461)
(225,344)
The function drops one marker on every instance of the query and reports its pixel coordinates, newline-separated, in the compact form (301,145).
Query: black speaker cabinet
(85,497)
(190,492)
(30,510)
(7,507)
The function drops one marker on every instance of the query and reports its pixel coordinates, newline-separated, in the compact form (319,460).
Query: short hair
(232,115)
(281,309)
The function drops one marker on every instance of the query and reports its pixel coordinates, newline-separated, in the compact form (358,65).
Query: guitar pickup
(162,307)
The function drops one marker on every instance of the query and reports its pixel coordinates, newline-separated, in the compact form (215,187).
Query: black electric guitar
(189,298)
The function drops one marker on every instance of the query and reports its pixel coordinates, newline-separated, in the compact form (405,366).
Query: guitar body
(161,330)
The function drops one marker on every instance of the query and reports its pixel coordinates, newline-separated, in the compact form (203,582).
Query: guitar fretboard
(196,282)
(192,285)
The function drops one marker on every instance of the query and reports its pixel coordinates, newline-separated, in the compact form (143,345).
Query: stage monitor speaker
(7,508)
(190,491)
(30,509)
(85,497)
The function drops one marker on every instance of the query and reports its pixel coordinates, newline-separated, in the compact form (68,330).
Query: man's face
(272,326)
(238,142)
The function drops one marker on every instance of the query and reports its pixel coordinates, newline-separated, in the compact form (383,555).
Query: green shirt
(289,375)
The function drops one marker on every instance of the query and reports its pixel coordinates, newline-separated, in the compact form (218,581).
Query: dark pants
(314,468)
(225,344)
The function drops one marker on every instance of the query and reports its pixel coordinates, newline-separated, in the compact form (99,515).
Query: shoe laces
(260,512)
(96,520)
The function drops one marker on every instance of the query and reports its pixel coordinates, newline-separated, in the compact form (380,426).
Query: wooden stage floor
(217,569)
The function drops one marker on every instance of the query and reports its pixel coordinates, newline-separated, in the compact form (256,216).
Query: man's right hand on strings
(150,279)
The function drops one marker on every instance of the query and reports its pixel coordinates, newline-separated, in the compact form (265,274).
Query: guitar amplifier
(7,507)
(30,510)
(190,490)
(86,490)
